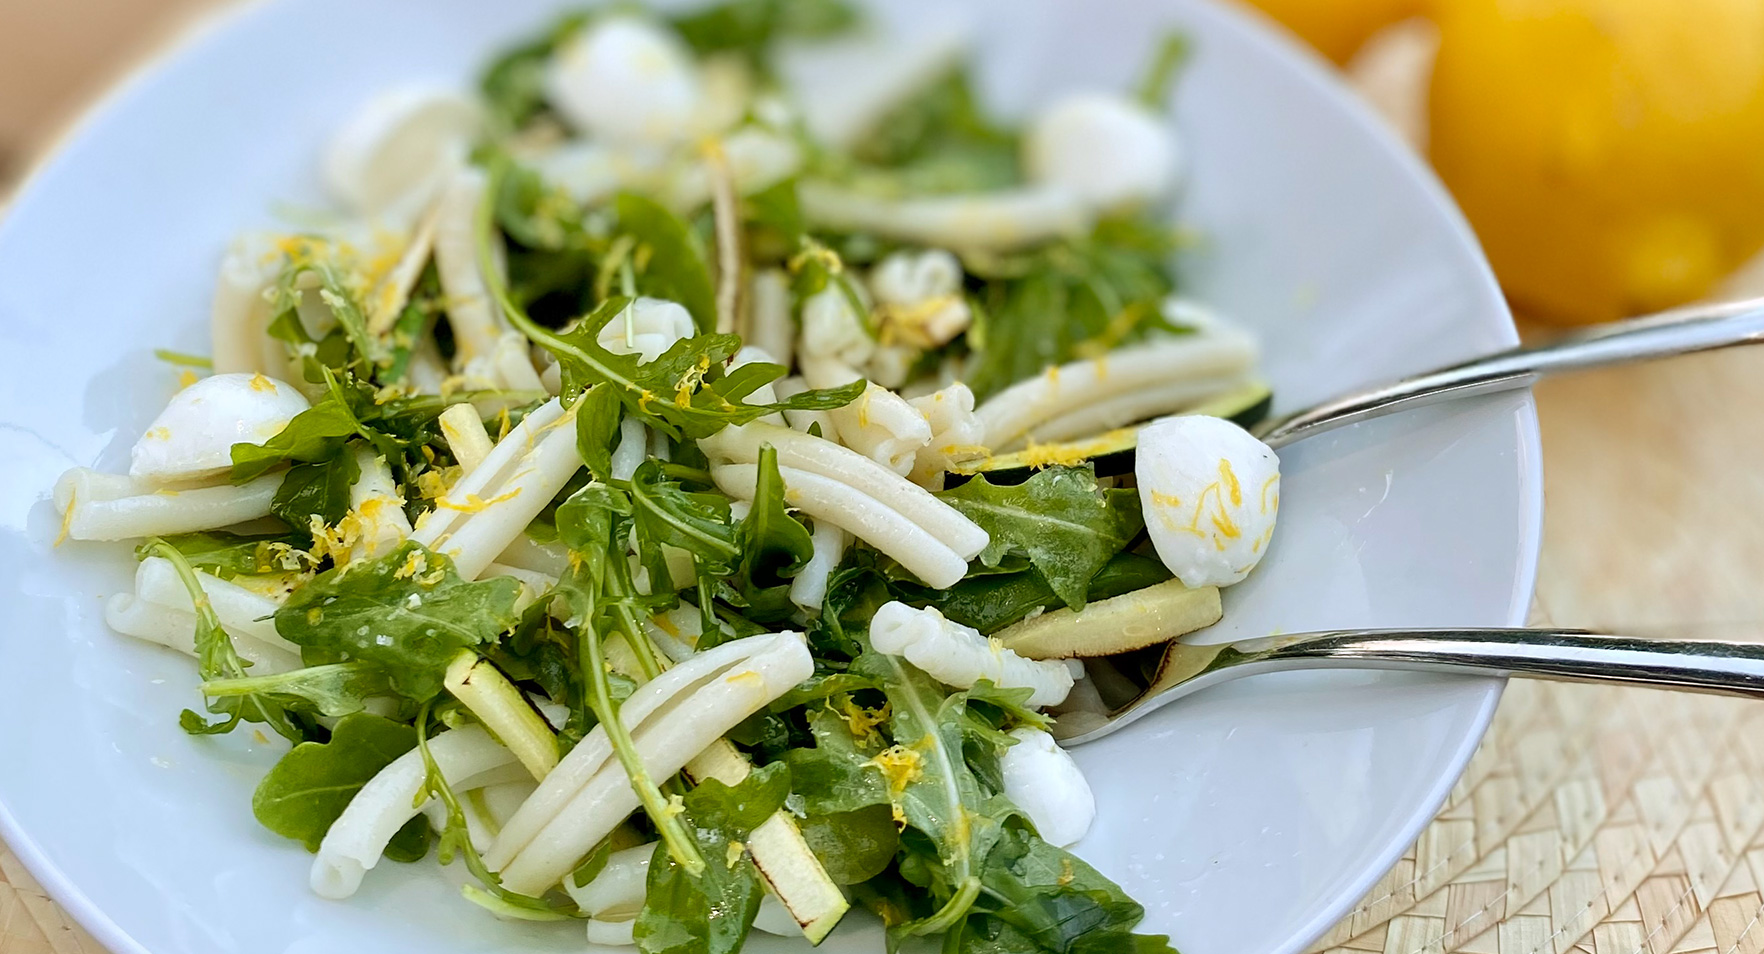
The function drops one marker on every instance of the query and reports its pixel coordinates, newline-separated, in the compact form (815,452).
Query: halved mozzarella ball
(647,327)
(194,436)
(628,81)
(1105,149)
(395,152)
(1210,492)
(1042,780)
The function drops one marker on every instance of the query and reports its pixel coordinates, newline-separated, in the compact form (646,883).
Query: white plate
(1247,819)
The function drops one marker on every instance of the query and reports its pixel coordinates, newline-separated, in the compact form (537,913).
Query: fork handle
(1681,331)
(1563,654)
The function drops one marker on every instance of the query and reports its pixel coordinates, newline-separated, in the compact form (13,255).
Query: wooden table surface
(1597,820)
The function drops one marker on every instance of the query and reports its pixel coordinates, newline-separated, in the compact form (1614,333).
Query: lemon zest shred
(73,500)
(415,563)
(475,504)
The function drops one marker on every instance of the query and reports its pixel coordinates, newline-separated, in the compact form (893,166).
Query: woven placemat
(30,923)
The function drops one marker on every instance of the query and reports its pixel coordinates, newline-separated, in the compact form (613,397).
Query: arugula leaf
(554,261)
(939,140)
(597,428)
(311,785)
(1041,898)
(589,523)
(695,522)
(990,602)
(672,259)
(1059,518)
(407,612)
(836,775)
(318,489)
(337,292)
(711,913)
(335,689)
(750,27)
(938,796)
(704,399)
(513,86)
(852,846)
(773,218)
(413,325)
(225,554)
(216,658)
(855,590)
(773,547)
(313,436)
(1068,299)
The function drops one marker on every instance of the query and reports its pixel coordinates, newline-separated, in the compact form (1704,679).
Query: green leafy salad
(686,484)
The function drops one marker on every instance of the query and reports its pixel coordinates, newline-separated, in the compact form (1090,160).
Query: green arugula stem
(216,656)
(498,289)
(626,621)
(666,821)
(493,895)
(952,912)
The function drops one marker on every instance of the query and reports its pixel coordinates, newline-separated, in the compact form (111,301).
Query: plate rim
(1256,28)
(1262,30)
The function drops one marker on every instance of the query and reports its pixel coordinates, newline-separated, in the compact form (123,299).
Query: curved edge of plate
(1259,29)
(1531,521)
(126,84)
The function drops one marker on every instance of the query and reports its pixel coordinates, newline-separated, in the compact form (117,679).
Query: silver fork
(1550,653)
(1681,331)
(1736,668)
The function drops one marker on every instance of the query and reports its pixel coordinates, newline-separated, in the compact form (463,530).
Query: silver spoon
(1550,653)
(1734,668)
(1680,331)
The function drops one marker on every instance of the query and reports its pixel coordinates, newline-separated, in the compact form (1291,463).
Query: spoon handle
(1573,655)
(1681,331)
(1735,668)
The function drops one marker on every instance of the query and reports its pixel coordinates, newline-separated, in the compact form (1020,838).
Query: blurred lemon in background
(1610,153)
(1337,28)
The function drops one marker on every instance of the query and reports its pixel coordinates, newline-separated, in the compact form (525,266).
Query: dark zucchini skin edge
(1119,462)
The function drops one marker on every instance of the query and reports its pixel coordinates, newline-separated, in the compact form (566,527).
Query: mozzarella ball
(921,295)
(832,329)
(908,278)
(1105,149)
(194,436)
(647,328)
(1042,780)
(616,893)
(1210,492)
(395,152)
(627,81)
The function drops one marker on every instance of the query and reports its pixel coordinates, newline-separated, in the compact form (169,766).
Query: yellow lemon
(1337,27)
(1610,153)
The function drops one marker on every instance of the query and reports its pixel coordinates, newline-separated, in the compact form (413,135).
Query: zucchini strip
(1156,614)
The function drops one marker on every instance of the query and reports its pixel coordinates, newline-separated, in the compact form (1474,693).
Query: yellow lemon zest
(1038,456)
(67,519)
(475,504)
